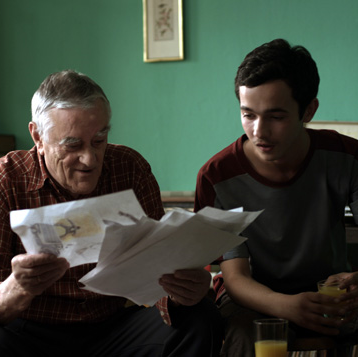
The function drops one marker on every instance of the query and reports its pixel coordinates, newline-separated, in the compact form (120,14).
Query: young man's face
(270,118)
(75,147)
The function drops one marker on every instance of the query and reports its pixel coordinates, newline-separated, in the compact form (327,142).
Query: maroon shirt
(25,183)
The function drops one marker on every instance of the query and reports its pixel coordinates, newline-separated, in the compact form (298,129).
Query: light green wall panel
(176,114)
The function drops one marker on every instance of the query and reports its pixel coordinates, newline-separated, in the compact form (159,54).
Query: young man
(302,179)
(43,308)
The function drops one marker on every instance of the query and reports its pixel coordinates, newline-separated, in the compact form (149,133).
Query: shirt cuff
(162,306)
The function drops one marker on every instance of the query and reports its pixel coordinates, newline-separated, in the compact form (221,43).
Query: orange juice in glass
(271,337)
(330,288)
(271,348)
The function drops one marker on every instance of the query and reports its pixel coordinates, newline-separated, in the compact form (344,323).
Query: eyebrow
(271,110)
(68,140)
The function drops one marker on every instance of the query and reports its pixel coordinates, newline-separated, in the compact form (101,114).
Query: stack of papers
(132,251)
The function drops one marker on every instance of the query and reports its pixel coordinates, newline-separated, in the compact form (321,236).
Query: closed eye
(248,116)
(72,147)
(98,142)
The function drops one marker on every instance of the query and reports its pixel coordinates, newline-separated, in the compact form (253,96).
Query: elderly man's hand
(31,275)
(187,286)
(36,272)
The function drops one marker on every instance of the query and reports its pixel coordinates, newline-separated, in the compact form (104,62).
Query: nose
(88,157)
(261,128)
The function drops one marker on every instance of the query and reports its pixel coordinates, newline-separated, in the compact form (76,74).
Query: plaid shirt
(25,183)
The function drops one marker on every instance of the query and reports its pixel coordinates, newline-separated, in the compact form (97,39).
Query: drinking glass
(271,337)
(331,288)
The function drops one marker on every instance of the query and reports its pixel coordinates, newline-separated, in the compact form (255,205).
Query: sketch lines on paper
(52,238)
(163,20)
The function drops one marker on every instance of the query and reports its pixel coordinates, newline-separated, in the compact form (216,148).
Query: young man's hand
(186,287)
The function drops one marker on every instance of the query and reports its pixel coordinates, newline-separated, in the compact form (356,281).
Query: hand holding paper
(186,287)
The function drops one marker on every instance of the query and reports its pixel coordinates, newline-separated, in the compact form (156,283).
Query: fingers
(309,309)
(323,329)
(345,304)
(34,273)
(32,260)
(347,280)
(187,280)
(327,314)
(325,305)
(321,324)
(186,287)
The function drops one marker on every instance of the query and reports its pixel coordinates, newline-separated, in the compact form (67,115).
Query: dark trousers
(135,331)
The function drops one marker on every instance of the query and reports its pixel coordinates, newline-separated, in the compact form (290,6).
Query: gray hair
(64,90)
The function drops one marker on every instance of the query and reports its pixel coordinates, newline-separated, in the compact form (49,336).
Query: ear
(310,110)
(36,137)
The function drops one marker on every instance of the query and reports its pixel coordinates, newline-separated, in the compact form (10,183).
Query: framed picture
(349,128)
(163,30)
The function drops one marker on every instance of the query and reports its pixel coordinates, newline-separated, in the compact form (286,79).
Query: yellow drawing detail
(76,227)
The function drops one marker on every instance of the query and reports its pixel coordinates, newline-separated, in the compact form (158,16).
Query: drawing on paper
(51,237)
(164,21)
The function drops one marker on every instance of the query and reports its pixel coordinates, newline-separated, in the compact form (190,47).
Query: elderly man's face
(75,147)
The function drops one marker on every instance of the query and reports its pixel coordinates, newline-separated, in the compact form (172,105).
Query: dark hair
(278,60)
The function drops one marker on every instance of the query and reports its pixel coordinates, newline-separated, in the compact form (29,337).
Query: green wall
(177,114)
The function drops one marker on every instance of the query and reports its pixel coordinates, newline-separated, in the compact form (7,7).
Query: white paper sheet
(74,230)
(132,250)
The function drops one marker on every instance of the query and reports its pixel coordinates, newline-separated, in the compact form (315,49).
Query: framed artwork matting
(163,30)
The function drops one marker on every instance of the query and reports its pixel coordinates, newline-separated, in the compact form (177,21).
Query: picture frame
(163,30)
(349,128)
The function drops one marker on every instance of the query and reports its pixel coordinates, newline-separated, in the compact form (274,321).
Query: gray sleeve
(241,251)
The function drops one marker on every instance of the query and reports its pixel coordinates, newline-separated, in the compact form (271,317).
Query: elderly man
(42,306)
